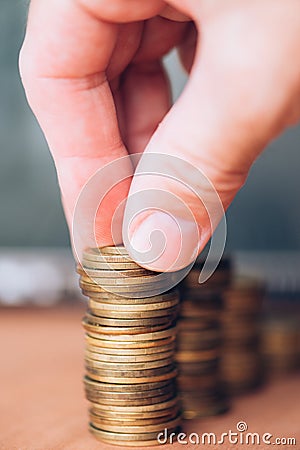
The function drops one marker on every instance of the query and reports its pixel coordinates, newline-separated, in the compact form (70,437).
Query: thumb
(186,177)
(183,183)
(201,153)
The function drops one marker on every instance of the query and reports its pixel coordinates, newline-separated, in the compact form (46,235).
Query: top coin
(101,257)
(111,250)
(106,252)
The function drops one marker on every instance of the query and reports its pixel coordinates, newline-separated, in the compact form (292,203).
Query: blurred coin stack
(241,361)
(280,344)
(199,343)
(130,345)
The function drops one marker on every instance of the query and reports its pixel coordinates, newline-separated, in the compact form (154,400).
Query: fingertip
(163,243)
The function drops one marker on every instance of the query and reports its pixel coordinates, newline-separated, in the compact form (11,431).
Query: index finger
(63,60)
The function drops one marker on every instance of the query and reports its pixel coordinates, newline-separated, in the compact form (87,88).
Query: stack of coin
(280,344)
(216,283)
(199,343)
(130,346)
(241,362)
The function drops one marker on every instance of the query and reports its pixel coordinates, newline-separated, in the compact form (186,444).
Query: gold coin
(108,297)
(130,395)
(91,273)
(135,435)
(145,396)
(106,321)
(128,359)
(136,409)
(97,256)
(139,428)
(147,277)
(169,314)
(122,421)
(125,287)
(131,380)
(156,335)
(97,265)
(135,307)
(97,342)
(136,293)
(91,329)
(118,400)
(111,285)
(123,312)
(96,397)
(144,280)
(123,337)
(111,387)
(93,397)
(107,365)
(162,414)
(111,314)
(128,372)
(149,290)
(143,352)
(109,250)
(149,389)
(130,439)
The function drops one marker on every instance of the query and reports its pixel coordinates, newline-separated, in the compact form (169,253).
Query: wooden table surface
(42,405)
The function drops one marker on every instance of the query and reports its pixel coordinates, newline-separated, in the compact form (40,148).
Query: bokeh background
(263,221)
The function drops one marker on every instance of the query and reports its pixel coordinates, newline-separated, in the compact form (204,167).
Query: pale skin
(93,77)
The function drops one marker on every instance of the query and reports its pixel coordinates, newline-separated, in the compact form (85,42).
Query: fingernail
(162,242)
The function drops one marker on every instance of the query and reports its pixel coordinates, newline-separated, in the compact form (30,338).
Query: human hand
(93,77)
